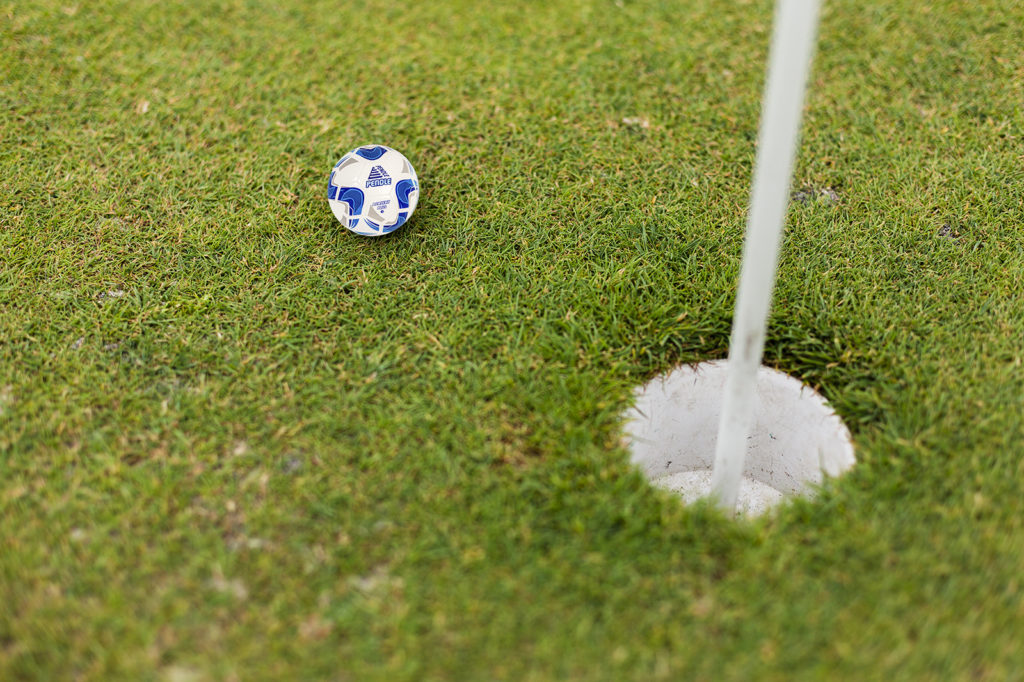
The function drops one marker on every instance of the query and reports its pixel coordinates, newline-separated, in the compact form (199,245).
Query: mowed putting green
(238,442)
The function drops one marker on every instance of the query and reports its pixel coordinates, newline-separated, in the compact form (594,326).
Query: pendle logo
(378,177)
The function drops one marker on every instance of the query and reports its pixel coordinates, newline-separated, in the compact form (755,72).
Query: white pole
(792,47)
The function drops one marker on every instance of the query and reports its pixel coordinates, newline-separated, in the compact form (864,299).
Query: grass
(239,443)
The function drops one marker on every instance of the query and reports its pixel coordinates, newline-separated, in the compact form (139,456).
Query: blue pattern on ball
(403,189)
(353,196)
(371,153)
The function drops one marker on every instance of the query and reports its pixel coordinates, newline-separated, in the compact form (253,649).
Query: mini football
(373,190)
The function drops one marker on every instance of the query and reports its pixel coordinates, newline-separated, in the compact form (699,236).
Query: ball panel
(402,217)
(340,211)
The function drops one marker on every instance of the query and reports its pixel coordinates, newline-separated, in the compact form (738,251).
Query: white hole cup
(796,438)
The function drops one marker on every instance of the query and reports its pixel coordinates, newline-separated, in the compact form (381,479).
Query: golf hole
(796,440)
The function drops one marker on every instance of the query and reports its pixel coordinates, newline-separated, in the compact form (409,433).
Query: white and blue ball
(373,190)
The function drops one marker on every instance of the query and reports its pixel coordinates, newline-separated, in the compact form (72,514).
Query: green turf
(239,443)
